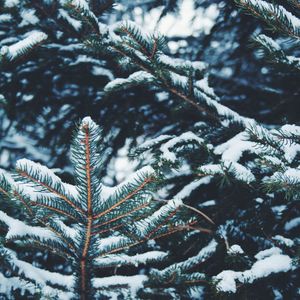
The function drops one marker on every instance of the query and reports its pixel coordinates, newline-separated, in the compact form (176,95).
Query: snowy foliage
(90,224)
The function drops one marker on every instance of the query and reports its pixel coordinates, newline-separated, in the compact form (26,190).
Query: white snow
(279,11)
(270,42)
(283,241)
(43,174)
(11,3)
(188,189)
(146,225)
(9,284)
(135,78)
(167,154)
(235,249)
(181,63)
(20,47)
(111,242)
(276,263)
(233,149)
(134,283)
(100,71)
(75,23)
(28,17)
(204,85)
(292,224)
(202,255)
(268,252)
(20,229)
(290,129)
(131,260)
(152,142)
(40,276)
(238,171)
(5,18)
(77,3)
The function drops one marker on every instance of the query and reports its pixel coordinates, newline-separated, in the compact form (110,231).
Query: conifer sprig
(90,225)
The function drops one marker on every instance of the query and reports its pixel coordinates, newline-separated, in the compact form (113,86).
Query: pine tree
(93,226)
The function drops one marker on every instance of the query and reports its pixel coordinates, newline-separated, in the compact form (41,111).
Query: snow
(238,171)
(204,86)
(20,47)
(202,255)
(5,18)
(100,71)
(152,142)
(276,263)
(279,10)
(43,174)
(291,130)
(11,3)
(233,149)
(268,252)
(75,23)
(134,78)
(283,241)
(77,3)
(20,229)
(292,224)
(111,242)
(269,42)
(88,121)
(188,189)
(181,63)
(135,260)
(28,17)
(144,172)
(290,175)
(67,230)
(208,203)
(146,225)
(40,276)
(134,283)
(13,283)
(235,249)
(183,138)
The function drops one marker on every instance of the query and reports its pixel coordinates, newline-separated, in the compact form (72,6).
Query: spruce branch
(21,48)
(276,16)
(105,223)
